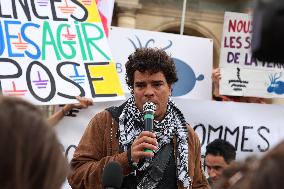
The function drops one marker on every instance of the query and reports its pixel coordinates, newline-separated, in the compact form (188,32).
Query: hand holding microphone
(146,142)
(149,109)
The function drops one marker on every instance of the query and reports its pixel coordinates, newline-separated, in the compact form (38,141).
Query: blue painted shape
(187,78)
(275,86)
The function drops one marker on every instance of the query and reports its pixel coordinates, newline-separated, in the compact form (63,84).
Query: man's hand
(145,140)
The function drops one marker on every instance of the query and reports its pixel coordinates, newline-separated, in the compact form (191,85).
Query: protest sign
(193,57)
(251,76)
(251,128)
(52,51)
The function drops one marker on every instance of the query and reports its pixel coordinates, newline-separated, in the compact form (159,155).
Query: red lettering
(232,25)
(239,43)
(239,26)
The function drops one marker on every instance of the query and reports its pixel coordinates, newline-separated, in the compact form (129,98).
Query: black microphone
(112,175)
(149,109)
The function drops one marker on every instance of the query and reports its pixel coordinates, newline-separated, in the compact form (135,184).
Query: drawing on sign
(15,91)
(64,43)
(147,43)
(77,78)
(186,75)
(43,3)
(41,84)
(275,86)
(238,84)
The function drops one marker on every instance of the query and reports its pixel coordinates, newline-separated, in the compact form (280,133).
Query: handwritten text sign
(236,55)
(52,51)
(251,128)
(236,41)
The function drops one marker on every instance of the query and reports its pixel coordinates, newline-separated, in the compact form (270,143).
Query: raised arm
(57,116)
(216,76)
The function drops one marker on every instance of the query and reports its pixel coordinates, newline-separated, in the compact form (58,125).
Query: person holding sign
(167,157)
(67,108)
(216,76)
(31,155)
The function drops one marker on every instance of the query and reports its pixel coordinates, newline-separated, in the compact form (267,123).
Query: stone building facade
(203,18)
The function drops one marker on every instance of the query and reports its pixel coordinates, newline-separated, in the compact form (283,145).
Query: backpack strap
(154,174)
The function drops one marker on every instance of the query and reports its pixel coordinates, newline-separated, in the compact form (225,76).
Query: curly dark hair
(223,148)
(151,60)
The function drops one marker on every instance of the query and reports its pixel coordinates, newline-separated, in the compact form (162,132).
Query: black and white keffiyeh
(173,124)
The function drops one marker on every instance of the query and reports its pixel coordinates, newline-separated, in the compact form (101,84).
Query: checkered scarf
(131,124)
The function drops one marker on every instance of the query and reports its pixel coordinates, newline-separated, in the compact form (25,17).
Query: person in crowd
(31,157)
(218,156)
(216,76)
(269,173)
(173,158)
(67,109)
(237,175)
(263,173)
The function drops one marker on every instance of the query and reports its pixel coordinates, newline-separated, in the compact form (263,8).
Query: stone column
(127,12)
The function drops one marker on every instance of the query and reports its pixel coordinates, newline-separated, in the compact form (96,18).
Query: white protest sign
(252,128)
(193,57)
(52,51)
(237,63)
